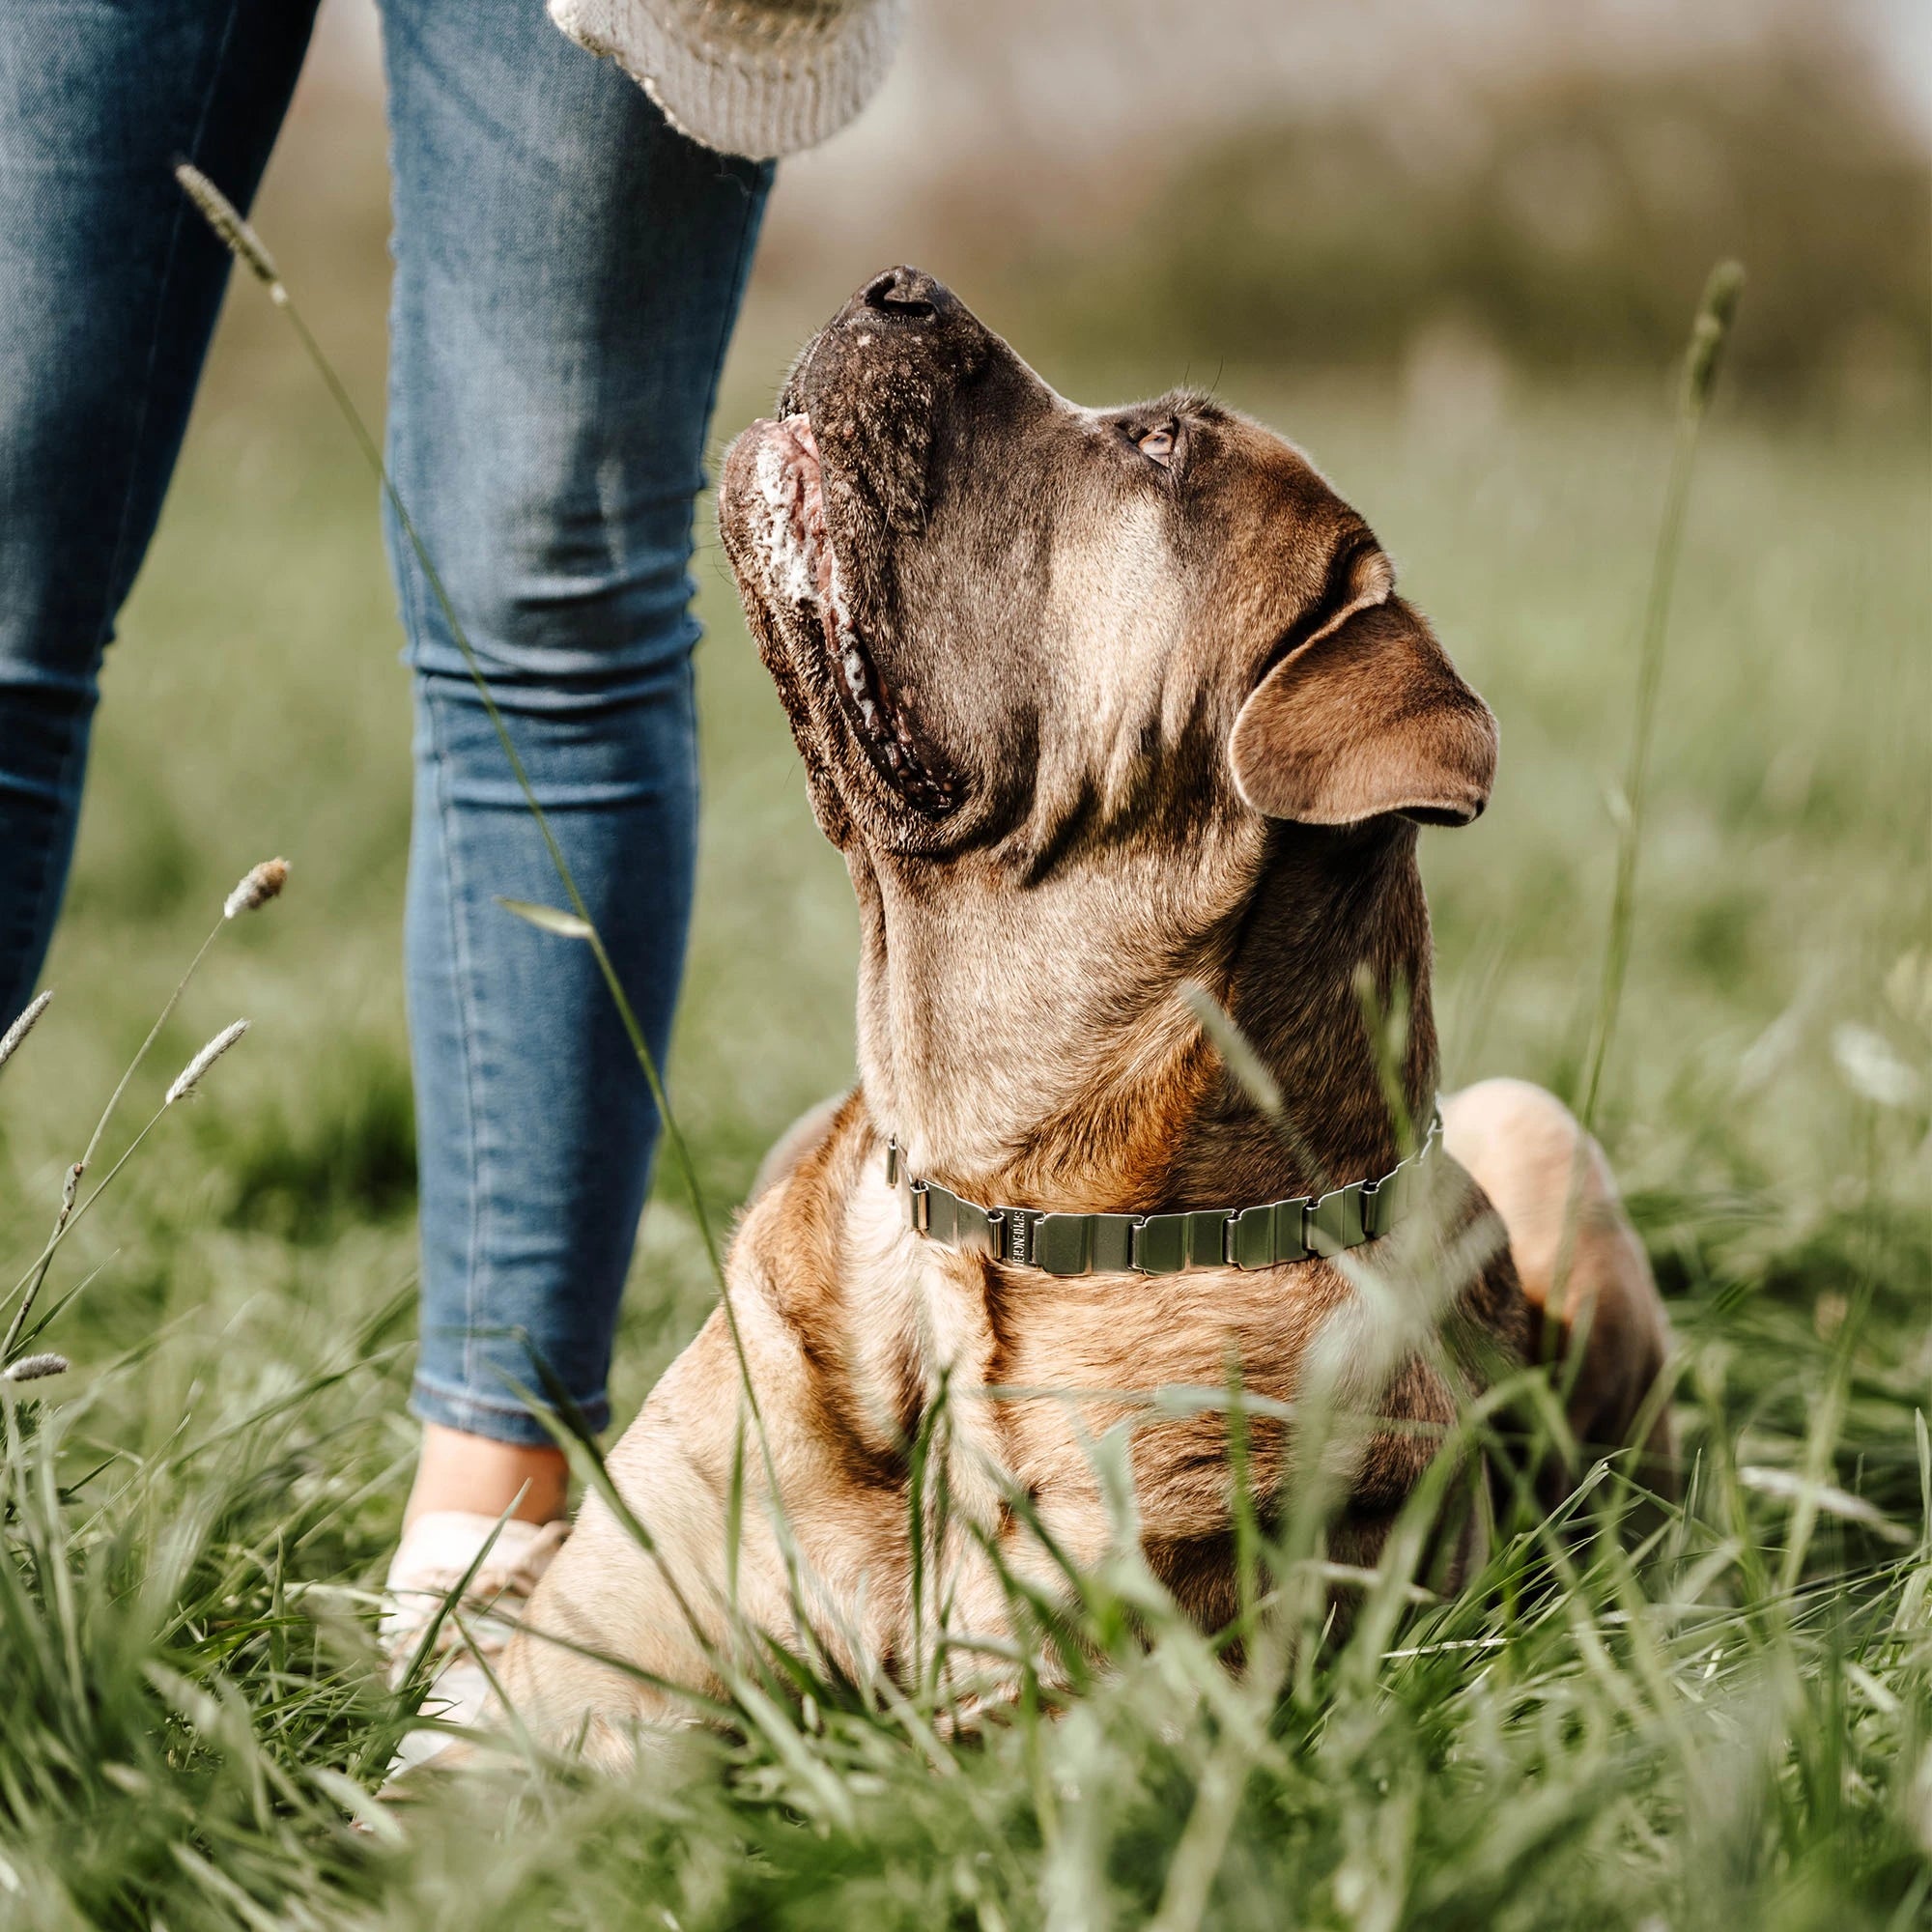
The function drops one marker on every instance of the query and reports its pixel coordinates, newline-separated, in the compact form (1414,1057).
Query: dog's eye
(1158,444)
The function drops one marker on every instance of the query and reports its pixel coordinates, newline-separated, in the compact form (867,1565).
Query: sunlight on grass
(1732,1729)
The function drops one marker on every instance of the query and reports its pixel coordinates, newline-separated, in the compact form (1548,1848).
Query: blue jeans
(567,270)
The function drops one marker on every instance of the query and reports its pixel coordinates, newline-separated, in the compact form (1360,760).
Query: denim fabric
(567,270)
(109,285)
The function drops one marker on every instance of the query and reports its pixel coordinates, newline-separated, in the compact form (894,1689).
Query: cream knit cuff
(755,77)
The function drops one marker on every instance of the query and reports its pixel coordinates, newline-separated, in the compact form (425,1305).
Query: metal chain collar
(1273,1235)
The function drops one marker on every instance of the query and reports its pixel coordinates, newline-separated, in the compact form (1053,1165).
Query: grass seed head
(11,1039)
(229,229)
(34,1368)
(1717,310)
(189,1077)
(263,883)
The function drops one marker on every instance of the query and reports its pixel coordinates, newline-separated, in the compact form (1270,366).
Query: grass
(1738,1733)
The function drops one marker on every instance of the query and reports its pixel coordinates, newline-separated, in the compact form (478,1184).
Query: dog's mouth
(801,569)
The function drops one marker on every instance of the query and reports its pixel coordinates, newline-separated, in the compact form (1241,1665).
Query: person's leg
(109,286)
(568,269)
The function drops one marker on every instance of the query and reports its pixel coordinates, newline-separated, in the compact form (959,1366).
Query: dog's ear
(1366,716)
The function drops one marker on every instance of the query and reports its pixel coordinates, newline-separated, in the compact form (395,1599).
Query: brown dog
(1095,703)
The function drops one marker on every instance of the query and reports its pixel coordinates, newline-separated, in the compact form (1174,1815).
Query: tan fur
(1366,717)
(1085,726)
(1552,1186)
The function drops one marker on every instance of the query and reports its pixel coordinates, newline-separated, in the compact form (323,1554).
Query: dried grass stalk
(34,1368)
(11,1040)
(231,229)
(189,1077)
(263,883)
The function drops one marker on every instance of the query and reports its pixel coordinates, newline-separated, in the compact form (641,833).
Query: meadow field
(1735,1731)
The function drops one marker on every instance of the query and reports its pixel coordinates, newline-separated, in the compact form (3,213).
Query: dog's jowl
(1104,709)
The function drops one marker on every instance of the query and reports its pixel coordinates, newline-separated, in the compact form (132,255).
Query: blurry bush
(1561,223)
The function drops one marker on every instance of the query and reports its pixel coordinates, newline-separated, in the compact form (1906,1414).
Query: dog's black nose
(904,295)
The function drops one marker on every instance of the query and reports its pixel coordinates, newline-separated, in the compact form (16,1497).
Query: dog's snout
(904,295)
(903,305)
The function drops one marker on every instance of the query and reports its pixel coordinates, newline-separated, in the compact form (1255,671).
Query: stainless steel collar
(1273,1235)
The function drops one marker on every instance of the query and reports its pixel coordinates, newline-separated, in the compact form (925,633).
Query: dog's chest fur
(1015,1379)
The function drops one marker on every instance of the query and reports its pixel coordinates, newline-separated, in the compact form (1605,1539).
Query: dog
(1097,705)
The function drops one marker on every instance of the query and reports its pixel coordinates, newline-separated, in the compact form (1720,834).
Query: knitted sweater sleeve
(756,77)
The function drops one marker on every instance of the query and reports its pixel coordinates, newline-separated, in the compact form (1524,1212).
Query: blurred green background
(1458,274)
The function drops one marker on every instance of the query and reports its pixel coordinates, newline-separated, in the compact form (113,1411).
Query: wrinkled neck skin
(1027,1048)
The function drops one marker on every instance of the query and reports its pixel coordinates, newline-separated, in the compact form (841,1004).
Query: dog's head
(1029,649)
(988,609)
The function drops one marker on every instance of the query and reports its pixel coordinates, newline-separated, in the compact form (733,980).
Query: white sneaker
(434,1556)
